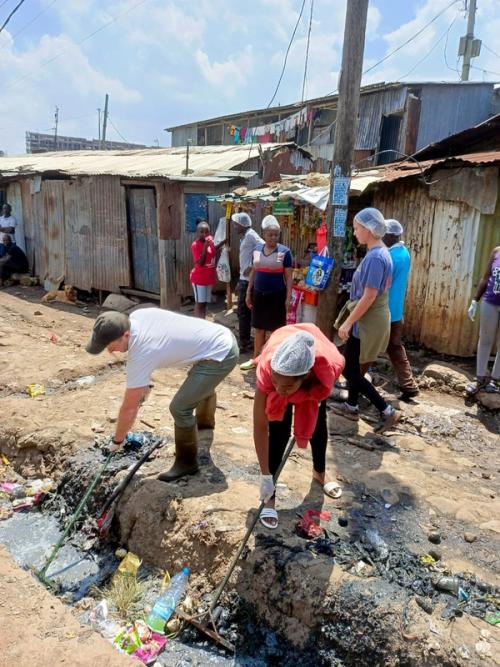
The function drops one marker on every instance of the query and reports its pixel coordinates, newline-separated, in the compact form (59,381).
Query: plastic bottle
(167,602)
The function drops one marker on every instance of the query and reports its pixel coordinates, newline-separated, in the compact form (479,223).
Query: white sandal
(332,490)
(269,513)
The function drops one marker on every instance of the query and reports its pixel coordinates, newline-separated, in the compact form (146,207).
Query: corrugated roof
(326,99)
(206,162)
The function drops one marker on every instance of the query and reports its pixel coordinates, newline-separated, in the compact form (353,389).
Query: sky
(168,62)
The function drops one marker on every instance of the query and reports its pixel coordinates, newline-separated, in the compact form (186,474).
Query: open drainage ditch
(365,621)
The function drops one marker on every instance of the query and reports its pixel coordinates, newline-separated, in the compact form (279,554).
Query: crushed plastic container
(165,605)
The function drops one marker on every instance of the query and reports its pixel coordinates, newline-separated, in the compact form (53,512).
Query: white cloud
(227,76)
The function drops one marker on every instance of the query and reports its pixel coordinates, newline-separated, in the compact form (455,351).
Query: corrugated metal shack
(450,210)
(125,220)
(394,118)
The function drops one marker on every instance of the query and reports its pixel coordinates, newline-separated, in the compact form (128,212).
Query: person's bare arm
(7,230)
(261,431)
(289,285)
(369,296)
(131,403)
(248,299)
(203,255)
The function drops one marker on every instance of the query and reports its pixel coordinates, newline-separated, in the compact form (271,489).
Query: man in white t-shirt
(249,241)
(156,338)
(8,224)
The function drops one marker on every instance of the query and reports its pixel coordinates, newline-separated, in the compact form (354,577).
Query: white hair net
(373,220)
(270,222)
(242,219)
(394,227)
(295,356)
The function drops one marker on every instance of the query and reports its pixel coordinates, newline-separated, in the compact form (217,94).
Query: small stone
(111,419)
(434,538)
(470,537)
(97,428)
(486,475)
(38,312)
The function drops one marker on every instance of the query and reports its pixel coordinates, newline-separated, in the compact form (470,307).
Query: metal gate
(143,231)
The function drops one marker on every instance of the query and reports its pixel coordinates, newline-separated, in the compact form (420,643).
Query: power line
(11,15)
(117,130)
(445,34)
(84,39)
(33,19)
(307,51)
(408,41)
(485,71)
(490,50)
(286,55)
(445,54)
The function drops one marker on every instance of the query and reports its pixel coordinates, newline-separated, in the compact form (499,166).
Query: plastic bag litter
(35,390)
(223,266)
(319,271)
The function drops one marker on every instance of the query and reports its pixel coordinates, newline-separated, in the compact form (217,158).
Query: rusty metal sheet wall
(53,234)
(442,239)
(79,244)
(111,264)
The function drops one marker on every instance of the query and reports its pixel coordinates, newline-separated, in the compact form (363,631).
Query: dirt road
(437,475)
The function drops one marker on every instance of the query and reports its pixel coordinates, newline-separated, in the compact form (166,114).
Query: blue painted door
(143,239)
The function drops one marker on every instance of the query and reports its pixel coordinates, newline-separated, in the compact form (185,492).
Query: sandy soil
(441,467)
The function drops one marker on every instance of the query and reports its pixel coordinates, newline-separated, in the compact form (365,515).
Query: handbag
(223,266)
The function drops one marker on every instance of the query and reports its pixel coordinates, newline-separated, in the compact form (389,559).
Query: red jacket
(328,365)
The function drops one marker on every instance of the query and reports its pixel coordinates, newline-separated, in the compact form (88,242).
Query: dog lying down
(66,295)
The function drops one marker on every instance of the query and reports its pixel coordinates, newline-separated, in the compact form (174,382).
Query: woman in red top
(203,274)
(298,366)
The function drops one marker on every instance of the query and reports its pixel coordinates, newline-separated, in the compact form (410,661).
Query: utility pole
(99,126)
(56,123)
(105,123)
(469,47)
(343,150)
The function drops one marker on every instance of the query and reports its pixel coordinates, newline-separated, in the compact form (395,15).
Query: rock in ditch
(489,401)
(446,374)
(470,537)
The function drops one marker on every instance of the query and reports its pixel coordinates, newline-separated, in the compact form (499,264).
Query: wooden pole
(343,150)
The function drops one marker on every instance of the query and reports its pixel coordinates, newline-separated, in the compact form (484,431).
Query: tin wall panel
(54,236)
(15,200)
(79,244)
(442,239)
(111,264)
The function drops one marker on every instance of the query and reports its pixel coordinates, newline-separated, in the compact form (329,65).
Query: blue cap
(185,570)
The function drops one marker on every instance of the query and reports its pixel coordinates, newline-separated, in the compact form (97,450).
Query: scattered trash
(424,604)
(307,527)
(452,585)
(378,545)
(362,569)
(165,605)
(53,338)
(129,566)
(240,430)
(483,649)
(427,559)
(493,619)
(120,553)
(322,545)
(5,460)
(85,381)
(35,390)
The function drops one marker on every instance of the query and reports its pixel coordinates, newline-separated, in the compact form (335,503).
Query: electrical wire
(117,130)
(84,39)
(445,34)
(445,55)
(307,51)
(11,15)
(490,50)
(485,71)
(33,19)
(286,55)
(408,41)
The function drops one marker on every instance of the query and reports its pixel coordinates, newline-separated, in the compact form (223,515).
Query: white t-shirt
(161,338)
(8,221)
(247,246)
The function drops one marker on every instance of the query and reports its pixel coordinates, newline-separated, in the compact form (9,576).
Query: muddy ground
(436,476)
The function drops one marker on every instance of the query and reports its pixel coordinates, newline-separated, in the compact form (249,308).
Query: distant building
(42,143)
(394,119)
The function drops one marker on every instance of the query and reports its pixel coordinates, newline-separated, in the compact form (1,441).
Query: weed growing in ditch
(123,593)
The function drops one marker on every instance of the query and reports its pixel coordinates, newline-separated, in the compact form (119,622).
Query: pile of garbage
(137,611)
(18,496)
